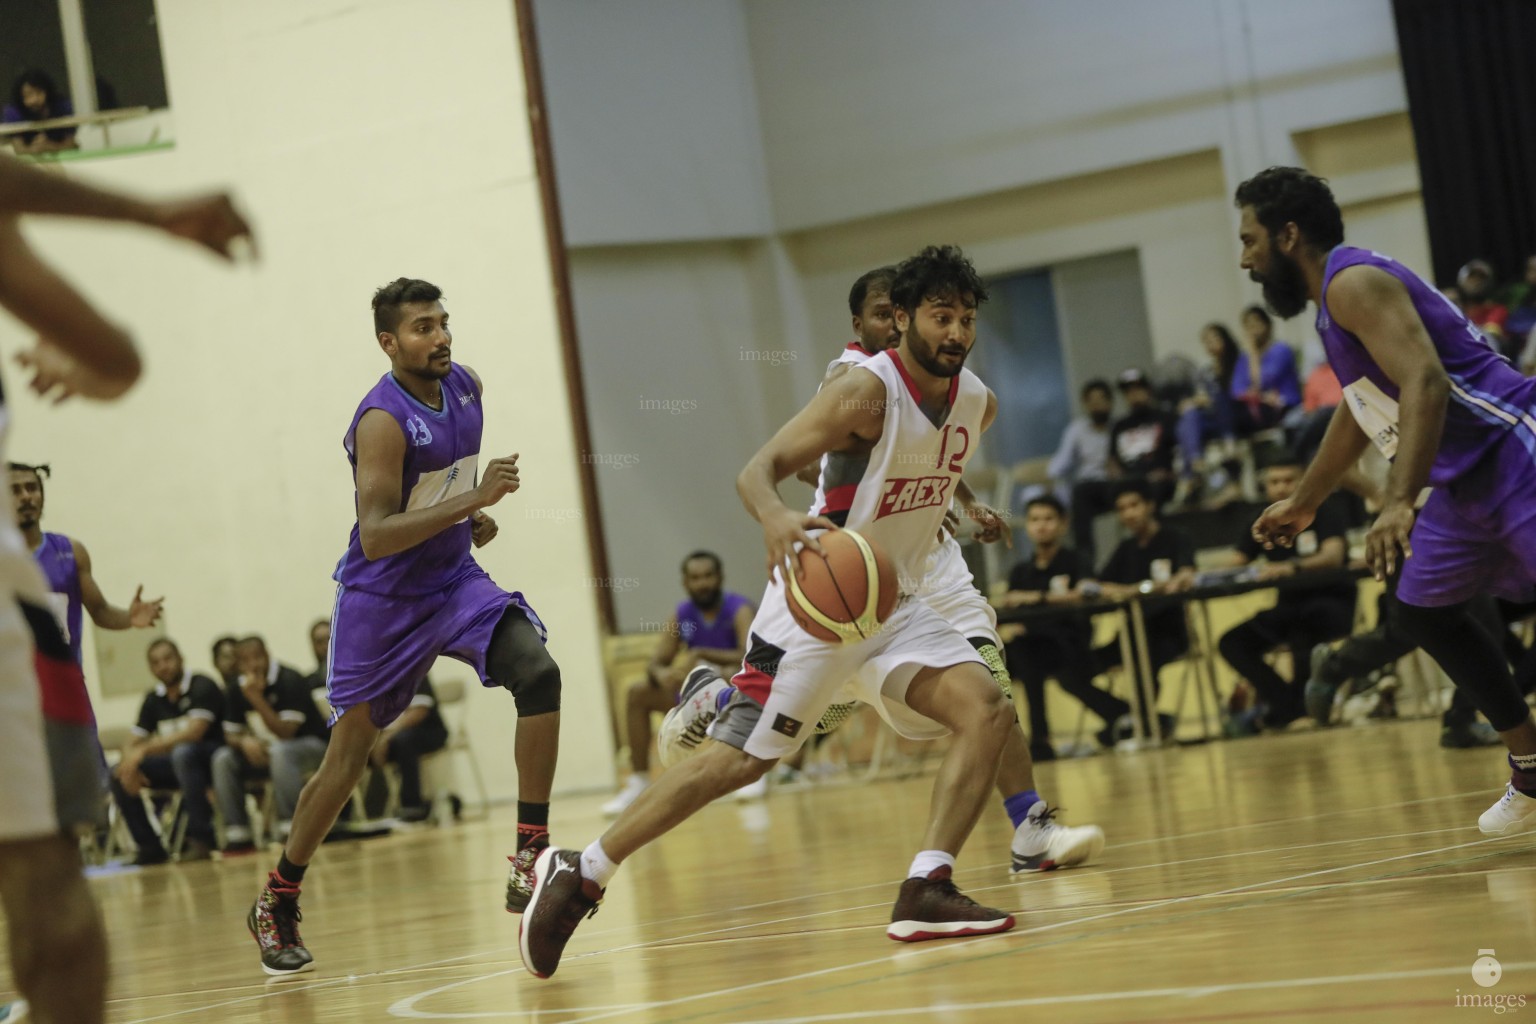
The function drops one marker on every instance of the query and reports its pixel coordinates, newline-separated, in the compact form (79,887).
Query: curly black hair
(938,272)
(1290,195)
(37,78)
(877,280)
(402,290)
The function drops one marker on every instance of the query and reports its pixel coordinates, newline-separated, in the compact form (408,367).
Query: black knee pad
(518,660)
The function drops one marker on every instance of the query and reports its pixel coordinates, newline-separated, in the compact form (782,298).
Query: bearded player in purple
(1448,411)
(408,591)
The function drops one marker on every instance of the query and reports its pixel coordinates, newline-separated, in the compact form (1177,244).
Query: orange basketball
(846,596)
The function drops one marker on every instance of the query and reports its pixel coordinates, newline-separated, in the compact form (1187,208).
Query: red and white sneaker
(932,908)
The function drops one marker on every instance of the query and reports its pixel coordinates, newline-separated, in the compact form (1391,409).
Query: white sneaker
(1516,812)
(683,728)
(636,785)
(1040,844)
(11,1013)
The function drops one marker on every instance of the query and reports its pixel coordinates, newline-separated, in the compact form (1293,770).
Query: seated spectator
(419,731)
(1476,285)
(1054,647)
(1154,559)
(34,97)
(1079,470)
(1522,317)
(1303,616)
(1306,425)
(178,729)
(1348,668)
(709,627)
(1265,382)
(226,664)
(319,683)
(1141,447)
(281,699)
(1207,415)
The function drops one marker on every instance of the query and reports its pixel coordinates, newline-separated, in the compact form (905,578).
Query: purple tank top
(1489,397)
(442,451)
(56,556)
(696,632)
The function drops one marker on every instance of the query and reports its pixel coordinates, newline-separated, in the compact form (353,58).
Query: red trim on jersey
(839,499)
(901,367)
(854,346)
(62,684)
(753,682)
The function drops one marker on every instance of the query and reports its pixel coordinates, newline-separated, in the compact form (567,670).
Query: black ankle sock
(533,814)
(288,872)
(532,825)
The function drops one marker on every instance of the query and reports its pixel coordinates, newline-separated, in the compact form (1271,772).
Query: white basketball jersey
(910,475)
(852,355)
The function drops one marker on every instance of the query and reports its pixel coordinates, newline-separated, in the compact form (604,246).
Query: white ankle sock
(928,861)
(596,865)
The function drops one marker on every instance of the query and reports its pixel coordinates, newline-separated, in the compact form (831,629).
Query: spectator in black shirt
(1154,559)
(1143,441)
(1053,647)
(173,743)
(419,731)
(281,698)
(1302,617)
(226,664)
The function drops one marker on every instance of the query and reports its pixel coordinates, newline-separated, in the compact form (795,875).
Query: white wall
(368,142)
(654,118)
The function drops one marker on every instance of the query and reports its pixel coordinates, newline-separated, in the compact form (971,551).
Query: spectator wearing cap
(1143,441)
(1475,283)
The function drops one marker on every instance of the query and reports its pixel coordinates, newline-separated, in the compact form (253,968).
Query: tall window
(88,72)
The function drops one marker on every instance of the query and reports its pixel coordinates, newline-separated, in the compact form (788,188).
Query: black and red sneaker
(561,898)
(274,924)
(932,908)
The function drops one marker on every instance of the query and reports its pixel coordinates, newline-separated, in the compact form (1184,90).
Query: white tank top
(911,473)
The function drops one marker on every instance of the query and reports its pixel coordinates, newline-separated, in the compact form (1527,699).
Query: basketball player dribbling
(409,590)
(912,410)
(49,754)
(1422,384)
(1040,843)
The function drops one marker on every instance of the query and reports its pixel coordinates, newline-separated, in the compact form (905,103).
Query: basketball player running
(408,591)
(915,406)
(48,750)
(66,565)
(1422,384)
(1040,843)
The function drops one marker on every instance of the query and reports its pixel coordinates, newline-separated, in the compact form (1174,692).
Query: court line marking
(406,1007)
(274,990)
(1188,992)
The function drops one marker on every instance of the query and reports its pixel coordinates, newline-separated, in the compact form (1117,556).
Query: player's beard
(927,355)
(1285,286)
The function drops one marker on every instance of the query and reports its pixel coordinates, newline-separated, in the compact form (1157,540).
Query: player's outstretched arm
(383,529)
(79,352)
(208,220)
(848,413)
(140,614)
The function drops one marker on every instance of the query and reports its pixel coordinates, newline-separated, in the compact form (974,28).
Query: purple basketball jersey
(56,556)
(695,631)
(1489,397)
(442,452)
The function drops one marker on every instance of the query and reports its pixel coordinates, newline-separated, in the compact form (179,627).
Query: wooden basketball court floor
(1324,875)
